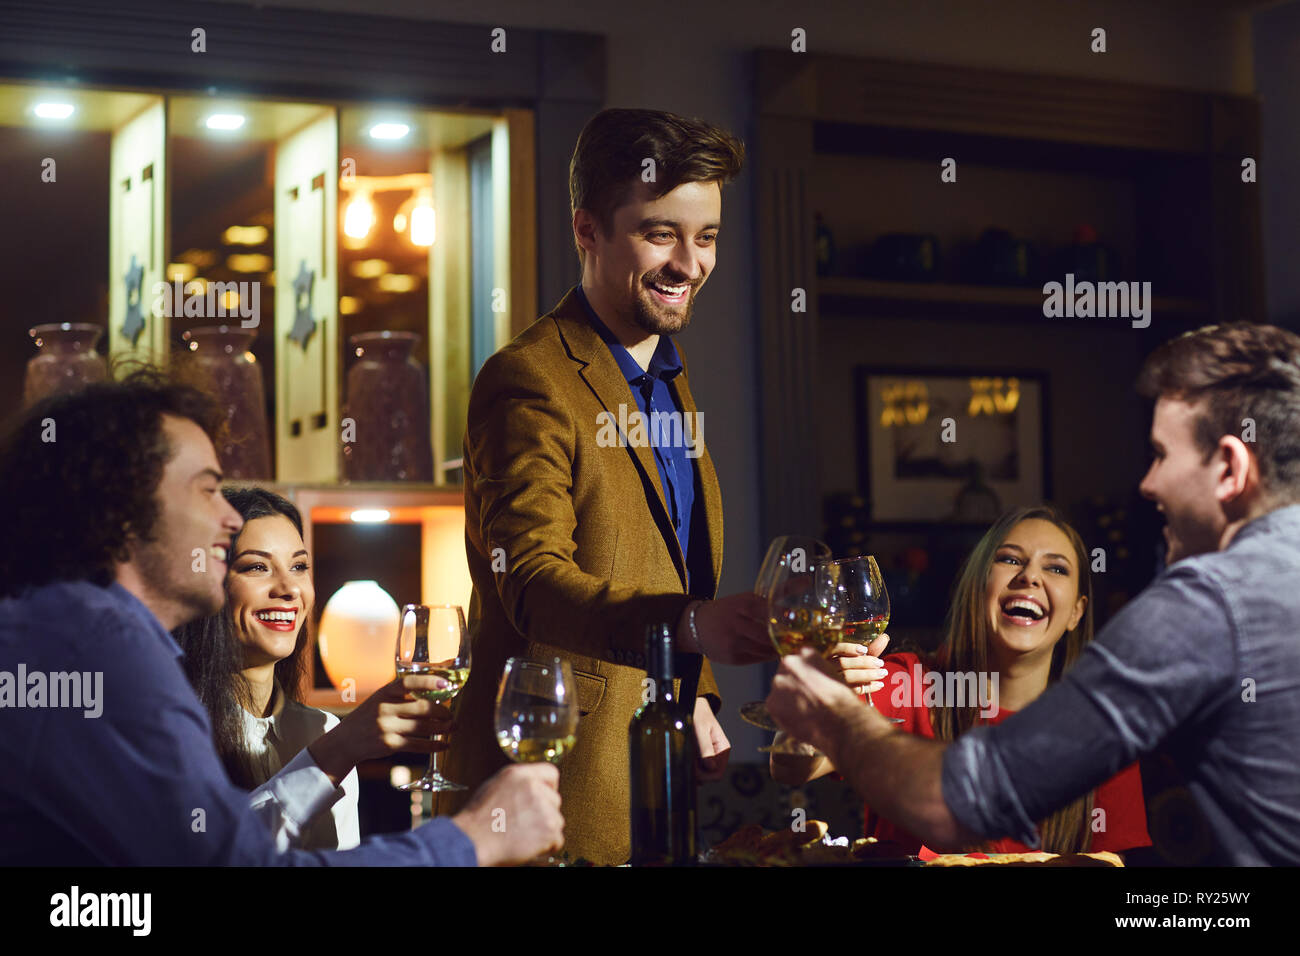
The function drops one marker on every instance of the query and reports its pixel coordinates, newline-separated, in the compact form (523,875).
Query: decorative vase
(67,360)
(387,437)
(223,366)
(358,637)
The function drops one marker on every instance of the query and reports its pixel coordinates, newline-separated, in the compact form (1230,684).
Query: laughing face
(269,588)
(1033,589)
(661,252)
(182,565)
(1182,482)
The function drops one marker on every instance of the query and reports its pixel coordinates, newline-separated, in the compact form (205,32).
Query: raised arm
(1167,655)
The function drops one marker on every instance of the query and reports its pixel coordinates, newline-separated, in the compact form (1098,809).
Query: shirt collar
(135,607)
(269,726)
(1279,519)
(664,363)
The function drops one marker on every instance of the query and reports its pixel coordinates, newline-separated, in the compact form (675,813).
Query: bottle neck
(665,696)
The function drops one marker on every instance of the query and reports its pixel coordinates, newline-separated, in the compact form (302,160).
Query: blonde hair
(965,649)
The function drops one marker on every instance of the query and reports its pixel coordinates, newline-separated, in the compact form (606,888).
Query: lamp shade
(358,637)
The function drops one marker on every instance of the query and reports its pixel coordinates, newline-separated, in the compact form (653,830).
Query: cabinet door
(306,303)
(138,323)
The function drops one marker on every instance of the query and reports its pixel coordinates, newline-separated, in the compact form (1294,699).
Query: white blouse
(295,792)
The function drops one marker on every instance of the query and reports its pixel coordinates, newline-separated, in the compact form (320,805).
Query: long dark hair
(965,650)
(214,658)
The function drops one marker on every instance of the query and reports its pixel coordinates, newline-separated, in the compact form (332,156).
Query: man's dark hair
(214,658)
(1234,372)
(79,476)
(607,160)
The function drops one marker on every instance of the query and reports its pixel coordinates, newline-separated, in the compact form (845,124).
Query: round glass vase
(66,362)
(388,404)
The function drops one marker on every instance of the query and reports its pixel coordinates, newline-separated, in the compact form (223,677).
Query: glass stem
(433,759)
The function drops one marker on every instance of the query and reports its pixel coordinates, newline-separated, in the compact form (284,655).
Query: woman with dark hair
(1021,614)
(246,662)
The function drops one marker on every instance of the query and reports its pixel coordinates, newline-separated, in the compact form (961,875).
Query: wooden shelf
(404,490)
(952,294)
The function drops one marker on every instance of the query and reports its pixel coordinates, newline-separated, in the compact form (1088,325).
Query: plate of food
(810,845)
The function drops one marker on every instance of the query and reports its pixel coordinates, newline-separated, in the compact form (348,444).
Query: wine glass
(855,591)
(537,714)
(787,546)
(433,640)
(537,710)
(801,613)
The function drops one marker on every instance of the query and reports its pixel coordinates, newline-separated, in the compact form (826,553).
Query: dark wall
(1277,78)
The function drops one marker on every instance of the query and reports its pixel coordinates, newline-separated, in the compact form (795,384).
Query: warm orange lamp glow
(358,639)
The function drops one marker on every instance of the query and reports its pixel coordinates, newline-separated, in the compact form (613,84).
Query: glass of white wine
(433,641)
(537,714)
(801,613)
(855,589)
(537,710)
(780,553)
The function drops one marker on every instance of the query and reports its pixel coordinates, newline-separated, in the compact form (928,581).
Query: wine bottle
(662,749)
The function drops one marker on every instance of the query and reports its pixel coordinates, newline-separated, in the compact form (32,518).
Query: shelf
(838,293)
(354,489)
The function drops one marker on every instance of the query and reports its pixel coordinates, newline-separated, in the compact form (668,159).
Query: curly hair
(214,658)
(79,474)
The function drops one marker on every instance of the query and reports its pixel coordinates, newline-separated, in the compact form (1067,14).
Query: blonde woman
(1021,611)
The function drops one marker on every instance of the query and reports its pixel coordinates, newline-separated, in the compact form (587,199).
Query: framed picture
(957,446)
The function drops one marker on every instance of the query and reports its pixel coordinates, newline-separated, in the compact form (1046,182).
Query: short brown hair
(1240,371)
(607,160)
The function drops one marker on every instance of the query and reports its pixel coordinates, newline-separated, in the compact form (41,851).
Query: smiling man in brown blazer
(582,525)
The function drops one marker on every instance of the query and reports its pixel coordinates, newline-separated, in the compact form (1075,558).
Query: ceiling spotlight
(389,130)
(225,121)
(53,110)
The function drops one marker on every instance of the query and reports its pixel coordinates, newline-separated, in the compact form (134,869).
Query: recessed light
(53,110)
(370,515)
(225,121)
(389,130)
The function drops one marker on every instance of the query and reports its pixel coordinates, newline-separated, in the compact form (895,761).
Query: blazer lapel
(710,498)
(602,375)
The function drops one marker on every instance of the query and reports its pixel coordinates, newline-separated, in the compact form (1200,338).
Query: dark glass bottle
(661,749)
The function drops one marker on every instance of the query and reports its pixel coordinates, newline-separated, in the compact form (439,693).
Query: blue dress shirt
(653,396)
(1203,665)
(141,782)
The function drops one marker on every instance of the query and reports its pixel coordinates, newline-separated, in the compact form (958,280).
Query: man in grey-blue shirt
(118,533)
(1204,665)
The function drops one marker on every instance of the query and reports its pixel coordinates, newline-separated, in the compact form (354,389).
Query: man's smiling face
(659,255)
(1182,482)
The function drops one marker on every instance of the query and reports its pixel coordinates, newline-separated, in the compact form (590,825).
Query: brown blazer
(588,563)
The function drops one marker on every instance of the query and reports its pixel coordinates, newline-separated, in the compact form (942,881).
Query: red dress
(1120,796)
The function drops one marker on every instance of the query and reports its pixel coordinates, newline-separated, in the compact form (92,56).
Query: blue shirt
(141,782)
(1203,665)
(653,398)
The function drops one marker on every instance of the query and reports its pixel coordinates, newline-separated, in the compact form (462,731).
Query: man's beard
(649,317)
(173,581)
